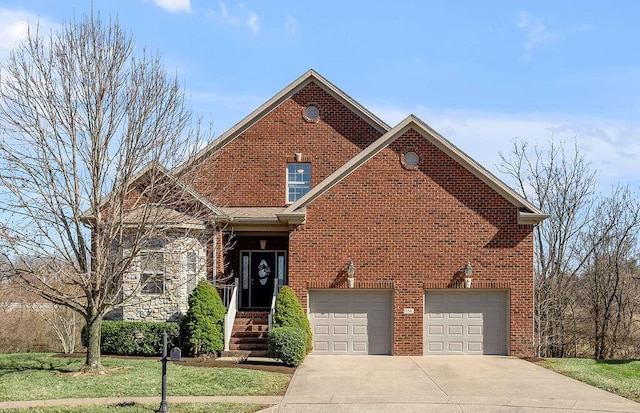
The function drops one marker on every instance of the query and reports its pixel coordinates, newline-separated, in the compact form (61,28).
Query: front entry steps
(249,335)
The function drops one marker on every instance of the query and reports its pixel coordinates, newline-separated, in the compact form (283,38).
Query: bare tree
(81,115)
(608,288)
(560,182)
(63,322)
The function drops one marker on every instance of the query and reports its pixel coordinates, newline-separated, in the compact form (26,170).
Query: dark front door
(263,270)
(260,270)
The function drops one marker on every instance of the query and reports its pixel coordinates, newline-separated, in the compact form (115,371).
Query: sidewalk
(272,400)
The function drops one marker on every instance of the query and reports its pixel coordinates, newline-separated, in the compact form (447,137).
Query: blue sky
(480,72)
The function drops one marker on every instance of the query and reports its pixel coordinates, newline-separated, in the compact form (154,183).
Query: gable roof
(528,214)
(163,216)
(178,183)
(154,167)
(311,76)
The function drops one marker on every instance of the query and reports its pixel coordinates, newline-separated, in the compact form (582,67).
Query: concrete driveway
(439,384)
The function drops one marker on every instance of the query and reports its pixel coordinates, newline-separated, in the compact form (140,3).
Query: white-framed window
(298,180)
(152,267)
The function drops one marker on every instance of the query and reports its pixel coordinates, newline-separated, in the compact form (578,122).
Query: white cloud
(537,32)
(14,25)
(290,25)
(238,17)
(225,17)
(174,5)
(611,145)
(253,21)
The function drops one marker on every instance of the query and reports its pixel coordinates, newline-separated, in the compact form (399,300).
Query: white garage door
(350,322)
(465,322)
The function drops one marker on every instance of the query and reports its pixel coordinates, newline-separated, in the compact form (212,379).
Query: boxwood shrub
(289,313)
(287,344)
(202,328)
(131,338)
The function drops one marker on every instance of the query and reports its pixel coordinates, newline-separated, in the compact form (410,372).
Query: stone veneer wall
(172,304)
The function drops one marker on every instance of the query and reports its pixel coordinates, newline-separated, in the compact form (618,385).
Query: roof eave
(176,225)
(253,221)
(531,218)
(297,217)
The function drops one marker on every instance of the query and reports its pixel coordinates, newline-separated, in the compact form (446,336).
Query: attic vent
(311,113)
(411,159)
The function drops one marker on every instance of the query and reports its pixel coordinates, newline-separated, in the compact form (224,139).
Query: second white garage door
(465,322)
(350,322)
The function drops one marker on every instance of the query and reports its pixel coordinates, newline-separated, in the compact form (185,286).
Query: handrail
(230,316)
(227,291)
(276,290)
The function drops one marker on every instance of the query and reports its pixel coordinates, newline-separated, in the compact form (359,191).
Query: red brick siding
(416,227)
(404,229)
(251,169)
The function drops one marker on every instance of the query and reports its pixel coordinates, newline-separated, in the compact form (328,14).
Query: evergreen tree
(289,313)
(202,328)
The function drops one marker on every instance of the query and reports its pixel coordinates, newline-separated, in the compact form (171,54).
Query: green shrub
(202,328)
(289,313)
(287,344)
(131,338)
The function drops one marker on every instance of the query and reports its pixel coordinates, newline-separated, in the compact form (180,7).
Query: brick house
(372,226)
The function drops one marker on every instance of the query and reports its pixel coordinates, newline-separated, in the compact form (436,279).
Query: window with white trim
(152,267)
(298,181)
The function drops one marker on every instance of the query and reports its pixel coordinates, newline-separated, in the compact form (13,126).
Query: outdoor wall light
(468,274)
(351,272)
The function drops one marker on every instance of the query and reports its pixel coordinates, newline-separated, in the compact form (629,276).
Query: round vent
(311,113)
(411,159)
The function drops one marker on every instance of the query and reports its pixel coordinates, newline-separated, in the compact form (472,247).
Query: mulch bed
(272,366)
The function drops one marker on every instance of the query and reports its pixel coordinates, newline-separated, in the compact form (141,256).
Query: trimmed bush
(202,328)
(287,344)
(289,313)
(130,338)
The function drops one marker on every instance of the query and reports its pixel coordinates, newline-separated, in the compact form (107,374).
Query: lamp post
(468,274)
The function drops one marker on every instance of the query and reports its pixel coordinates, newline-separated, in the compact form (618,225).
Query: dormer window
(298,181)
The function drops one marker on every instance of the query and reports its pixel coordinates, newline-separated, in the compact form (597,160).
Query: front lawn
(146,408)
(38,376)
(621,377)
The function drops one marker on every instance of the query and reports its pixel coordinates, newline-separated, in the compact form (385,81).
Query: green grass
(37,376)
(146,408)
(621,377)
